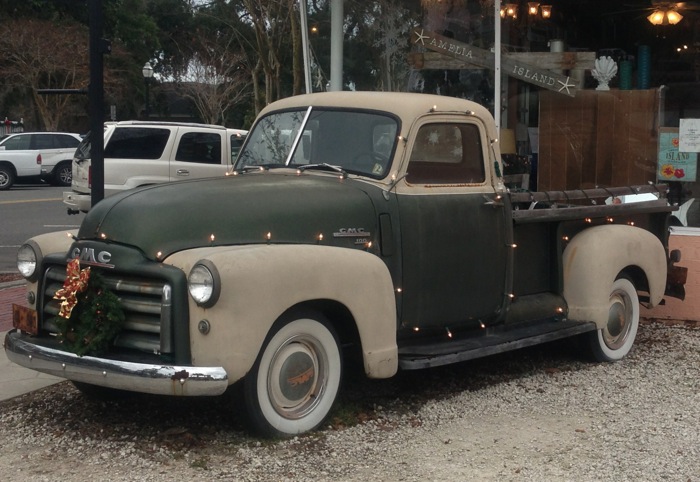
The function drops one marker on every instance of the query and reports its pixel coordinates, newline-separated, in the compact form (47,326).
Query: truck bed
(537,206)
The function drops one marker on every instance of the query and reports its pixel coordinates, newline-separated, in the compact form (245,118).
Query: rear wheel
(63,174)
(296,378)
(616,338)
(7,177)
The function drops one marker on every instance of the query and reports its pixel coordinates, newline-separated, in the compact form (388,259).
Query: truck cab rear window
(446,153)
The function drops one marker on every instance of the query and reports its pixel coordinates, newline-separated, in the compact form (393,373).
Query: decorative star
(566,85)
(421,38)
(433,138)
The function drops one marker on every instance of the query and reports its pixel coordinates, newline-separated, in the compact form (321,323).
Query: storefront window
(591,94)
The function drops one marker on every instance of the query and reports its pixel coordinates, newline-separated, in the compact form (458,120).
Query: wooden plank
(588,140)
(576,143)
(620,129)
(597,211)
(544,60)
(464,52)
(595,193)
(561,151)
(604,120)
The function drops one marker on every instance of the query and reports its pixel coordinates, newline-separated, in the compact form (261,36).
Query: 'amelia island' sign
(486,59)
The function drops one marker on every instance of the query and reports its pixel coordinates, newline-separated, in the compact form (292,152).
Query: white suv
(140,153)
(29,155)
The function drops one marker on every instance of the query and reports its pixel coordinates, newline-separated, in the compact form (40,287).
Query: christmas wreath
(90,315)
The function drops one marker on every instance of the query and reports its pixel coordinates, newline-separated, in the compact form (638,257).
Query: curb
(13,284)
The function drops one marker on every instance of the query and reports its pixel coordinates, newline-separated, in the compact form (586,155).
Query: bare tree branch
(40,54)
(216,80)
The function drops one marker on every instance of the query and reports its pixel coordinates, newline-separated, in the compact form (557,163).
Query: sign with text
(486,59)
(674,165)
(689,135)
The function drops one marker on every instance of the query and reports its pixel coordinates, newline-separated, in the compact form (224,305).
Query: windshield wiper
(261,167)
(323,166)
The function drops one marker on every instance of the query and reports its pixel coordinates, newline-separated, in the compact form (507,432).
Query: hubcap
(65,175)
(619,316)
(296,378)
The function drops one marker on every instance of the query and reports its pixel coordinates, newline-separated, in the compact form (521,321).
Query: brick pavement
(14,379)
(8,296)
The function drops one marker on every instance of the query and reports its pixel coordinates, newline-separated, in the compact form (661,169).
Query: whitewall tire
(296,378)
(614,341)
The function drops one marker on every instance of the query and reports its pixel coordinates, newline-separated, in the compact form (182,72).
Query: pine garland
(94,321)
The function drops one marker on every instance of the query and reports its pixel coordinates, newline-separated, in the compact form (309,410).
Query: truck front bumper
(77,202)
(137,377)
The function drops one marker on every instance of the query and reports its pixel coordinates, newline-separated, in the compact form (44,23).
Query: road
(27,210)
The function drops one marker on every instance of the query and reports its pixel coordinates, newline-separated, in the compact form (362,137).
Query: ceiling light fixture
(664,16)
(510,10)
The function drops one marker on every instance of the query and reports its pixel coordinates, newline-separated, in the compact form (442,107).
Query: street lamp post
(147,72)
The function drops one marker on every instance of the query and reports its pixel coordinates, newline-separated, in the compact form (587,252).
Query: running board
(494,340)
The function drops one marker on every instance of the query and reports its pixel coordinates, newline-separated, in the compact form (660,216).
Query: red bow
(76,282)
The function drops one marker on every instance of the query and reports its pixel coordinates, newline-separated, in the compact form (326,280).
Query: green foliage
(95,321)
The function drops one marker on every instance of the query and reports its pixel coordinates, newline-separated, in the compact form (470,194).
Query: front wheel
(614,341)
(296,378)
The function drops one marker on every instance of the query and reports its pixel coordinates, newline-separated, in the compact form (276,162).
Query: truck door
(454,253)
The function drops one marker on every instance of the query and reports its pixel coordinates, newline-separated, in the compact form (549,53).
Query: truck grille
(146,304)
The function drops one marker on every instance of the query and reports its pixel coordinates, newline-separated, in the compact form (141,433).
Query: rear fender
(595,257)
(259,283)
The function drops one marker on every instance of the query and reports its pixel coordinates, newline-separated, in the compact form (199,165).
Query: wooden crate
(598,138)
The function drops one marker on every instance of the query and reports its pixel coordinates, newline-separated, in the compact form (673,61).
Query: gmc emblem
(87,256)
(351,233)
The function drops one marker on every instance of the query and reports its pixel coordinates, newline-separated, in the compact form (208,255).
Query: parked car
(37,155)
(141,153)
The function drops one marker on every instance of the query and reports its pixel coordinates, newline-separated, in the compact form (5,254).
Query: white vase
(605,69)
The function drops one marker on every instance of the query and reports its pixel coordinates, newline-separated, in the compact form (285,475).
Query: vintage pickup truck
(357,227)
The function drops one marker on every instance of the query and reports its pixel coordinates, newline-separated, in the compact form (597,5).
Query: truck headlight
(204,283)
(28,258)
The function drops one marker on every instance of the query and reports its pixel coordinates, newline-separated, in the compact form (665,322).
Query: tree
(269,36)
(216,79)
(378,42)
(31,61)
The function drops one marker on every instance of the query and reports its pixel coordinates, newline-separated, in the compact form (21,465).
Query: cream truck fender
(44,245)
(594,258)
(260,283)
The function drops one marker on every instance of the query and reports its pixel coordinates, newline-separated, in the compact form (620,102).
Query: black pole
(96,100)
(148,108)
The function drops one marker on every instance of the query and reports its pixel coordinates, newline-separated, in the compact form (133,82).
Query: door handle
(182,172)
(495,201)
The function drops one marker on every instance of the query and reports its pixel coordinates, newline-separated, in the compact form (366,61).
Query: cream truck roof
(407,106)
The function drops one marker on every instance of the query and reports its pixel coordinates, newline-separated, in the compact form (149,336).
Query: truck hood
(254,208)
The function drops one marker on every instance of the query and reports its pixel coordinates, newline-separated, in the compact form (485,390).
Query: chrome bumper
(136,377)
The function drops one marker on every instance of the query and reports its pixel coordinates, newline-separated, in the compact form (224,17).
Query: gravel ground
(536,414)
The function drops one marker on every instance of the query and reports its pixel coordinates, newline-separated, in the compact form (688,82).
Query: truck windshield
(359,142)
